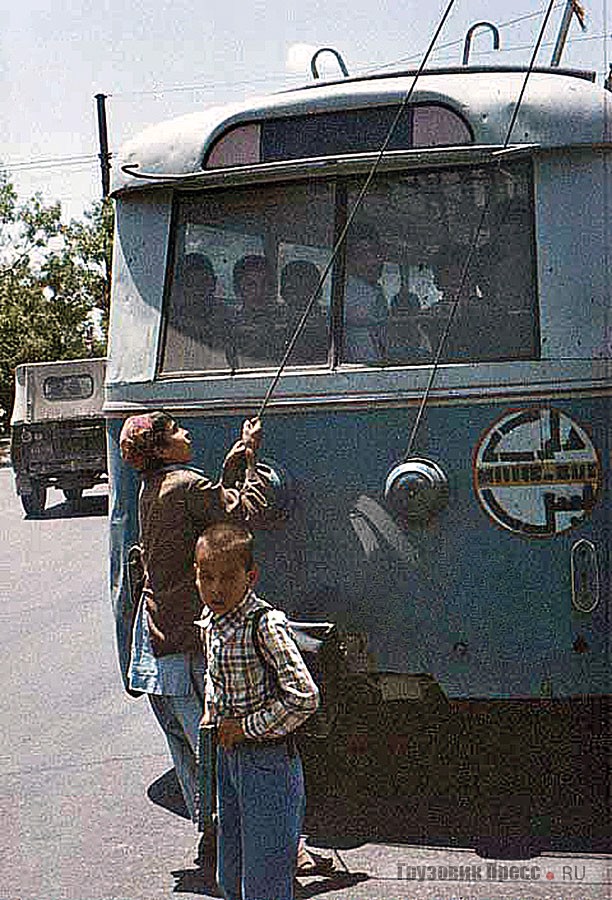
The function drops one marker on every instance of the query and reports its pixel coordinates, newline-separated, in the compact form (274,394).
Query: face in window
(197,281)
(299,280)
(364,256)
(252,281)
(448,268)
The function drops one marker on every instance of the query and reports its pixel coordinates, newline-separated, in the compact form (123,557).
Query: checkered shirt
(271,701)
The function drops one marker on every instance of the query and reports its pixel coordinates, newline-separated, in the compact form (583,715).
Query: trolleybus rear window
(246,262)
(405,286)
(338,132)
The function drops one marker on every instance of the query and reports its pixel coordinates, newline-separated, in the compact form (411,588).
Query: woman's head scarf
(142,438)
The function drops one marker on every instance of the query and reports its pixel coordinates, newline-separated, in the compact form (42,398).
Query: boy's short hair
(228,538)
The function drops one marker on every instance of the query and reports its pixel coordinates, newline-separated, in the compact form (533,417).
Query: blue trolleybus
(438,440)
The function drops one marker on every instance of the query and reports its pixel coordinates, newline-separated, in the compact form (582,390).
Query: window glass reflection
(406,255)
(246,265)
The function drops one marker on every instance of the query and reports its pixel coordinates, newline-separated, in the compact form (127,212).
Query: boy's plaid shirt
(271,701)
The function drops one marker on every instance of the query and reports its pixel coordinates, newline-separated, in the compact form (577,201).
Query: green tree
(54,283)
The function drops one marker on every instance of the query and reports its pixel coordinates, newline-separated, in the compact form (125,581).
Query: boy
(176,503)
(256,708)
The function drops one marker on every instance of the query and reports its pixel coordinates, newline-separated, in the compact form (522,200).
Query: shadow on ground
(166,792)
(497,805)
(501,836)
(510,781)
(509,826)
(459,819)
(197,881)
(89,505)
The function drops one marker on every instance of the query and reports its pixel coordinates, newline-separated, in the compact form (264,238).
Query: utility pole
(104,156)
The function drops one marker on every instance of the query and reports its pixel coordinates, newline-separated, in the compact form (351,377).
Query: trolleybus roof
(560,108)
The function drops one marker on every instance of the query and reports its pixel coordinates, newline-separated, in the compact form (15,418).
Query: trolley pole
(104,155)
(571,7)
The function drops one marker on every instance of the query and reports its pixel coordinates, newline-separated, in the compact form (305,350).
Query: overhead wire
(591,37)
(368,69)
(68,161)
(52,166)
(59,164)
(459,43)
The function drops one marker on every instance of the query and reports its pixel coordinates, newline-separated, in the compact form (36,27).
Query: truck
(57,430)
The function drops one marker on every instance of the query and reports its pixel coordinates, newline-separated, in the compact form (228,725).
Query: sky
(158,60)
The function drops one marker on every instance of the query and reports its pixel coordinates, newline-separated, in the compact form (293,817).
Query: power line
(459,43)
(513,47)
(50,163)
(92,167)
(368,69)
(75,162)
(217,86)
(506,49)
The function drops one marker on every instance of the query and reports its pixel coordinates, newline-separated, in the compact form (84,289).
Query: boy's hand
(234,462)
(251,433)
(229,733)
(242,454)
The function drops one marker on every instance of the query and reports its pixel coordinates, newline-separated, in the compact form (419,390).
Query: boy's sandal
(315,865)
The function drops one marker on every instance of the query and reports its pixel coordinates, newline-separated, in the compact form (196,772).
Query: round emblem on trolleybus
(537,472)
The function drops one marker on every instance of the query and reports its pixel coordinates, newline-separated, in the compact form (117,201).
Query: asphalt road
(87,797)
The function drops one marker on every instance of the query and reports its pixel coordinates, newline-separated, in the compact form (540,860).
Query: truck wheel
(73,496)
(34,502)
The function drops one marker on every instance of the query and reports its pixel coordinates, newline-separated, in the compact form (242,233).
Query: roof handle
(339,60)
(468,39)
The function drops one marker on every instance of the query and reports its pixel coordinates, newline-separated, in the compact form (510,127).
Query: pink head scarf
(142,437)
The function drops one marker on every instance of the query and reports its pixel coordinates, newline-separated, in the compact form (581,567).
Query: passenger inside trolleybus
(365,306)
(399,271)
(195,319)
(298,281)
(255,333)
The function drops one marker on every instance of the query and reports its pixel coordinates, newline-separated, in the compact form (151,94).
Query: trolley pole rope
(474,243)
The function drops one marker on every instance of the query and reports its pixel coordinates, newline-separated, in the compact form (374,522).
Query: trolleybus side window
(405,256)
(245,265)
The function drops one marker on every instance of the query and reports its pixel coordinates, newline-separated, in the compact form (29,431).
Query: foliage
(54,283)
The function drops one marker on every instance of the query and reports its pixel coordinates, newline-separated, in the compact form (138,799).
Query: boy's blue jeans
(260,800)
